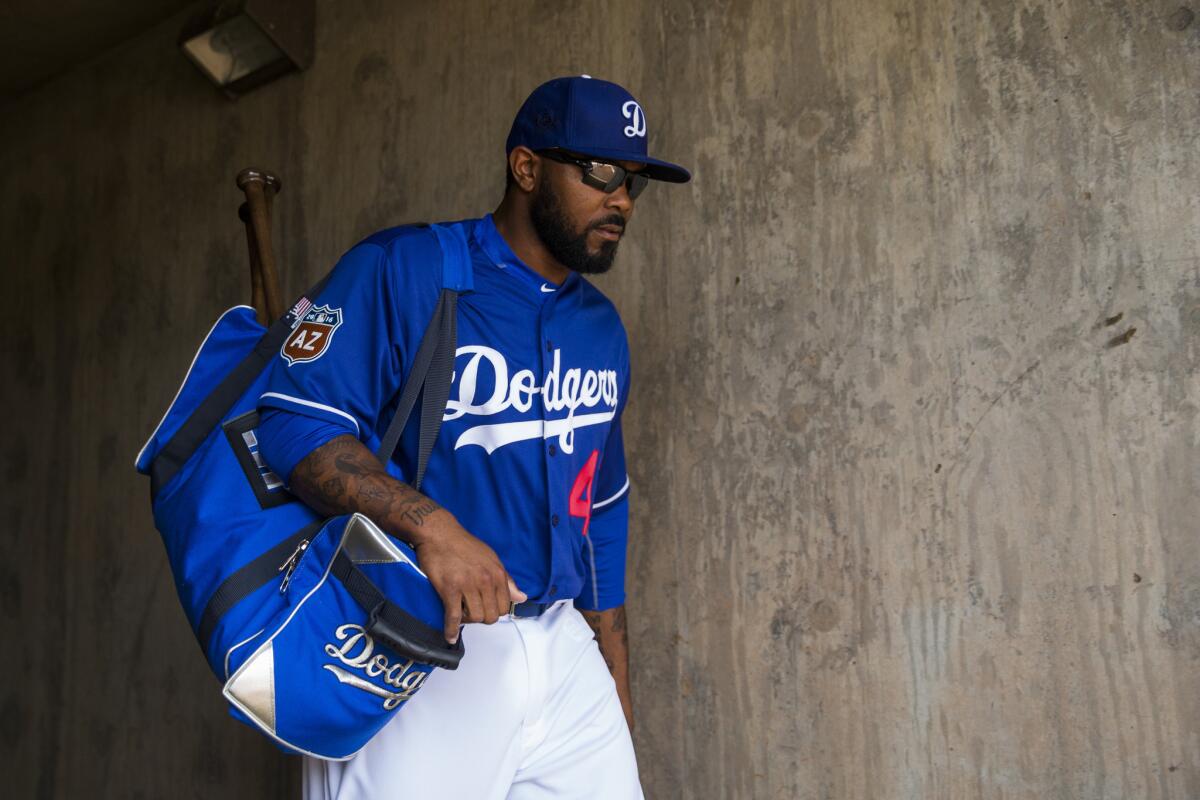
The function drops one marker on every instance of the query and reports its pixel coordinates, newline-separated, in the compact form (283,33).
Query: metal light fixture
(242,45)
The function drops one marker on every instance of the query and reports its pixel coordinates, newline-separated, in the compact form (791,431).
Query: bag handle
(392,625)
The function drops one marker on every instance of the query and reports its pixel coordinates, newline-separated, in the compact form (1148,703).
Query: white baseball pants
(531,713)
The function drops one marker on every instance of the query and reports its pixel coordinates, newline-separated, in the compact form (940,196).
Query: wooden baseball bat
(261,187)
(257,296)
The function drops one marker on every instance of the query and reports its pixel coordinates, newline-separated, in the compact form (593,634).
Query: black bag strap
(433,365)
(432,370)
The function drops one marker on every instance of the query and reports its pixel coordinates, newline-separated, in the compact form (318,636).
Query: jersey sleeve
(344,362)
(285,438)
(608,527)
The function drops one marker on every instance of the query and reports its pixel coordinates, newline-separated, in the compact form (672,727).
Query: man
(521,523)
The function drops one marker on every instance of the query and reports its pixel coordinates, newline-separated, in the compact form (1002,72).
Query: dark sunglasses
(602,175)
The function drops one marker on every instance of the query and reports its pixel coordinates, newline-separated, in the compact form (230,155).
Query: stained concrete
(913,430)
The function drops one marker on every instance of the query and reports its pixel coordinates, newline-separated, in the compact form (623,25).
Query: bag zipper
(290,565)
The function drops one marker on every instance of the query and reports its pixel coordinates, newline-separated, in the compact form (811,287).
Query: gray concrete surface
(39,41)
(914,423)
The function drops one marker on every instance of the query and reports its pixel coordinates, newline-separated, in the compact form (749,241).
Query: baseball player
(522,519)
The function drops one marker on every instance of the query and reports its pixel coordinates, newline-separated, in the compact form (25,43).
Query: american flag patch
(300,309)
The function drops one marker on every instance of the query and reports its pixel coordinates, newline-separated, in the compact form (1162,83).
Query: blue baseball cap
(592,118)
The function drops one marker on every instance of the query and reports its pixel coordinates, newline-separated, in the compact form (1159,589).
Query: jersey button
(553,450)
(554,520)
(553,590)
(549,347)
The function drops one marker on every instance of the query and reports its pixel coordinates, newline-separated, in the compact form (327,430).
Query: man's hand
(613,637)
(342,476)
(466,573)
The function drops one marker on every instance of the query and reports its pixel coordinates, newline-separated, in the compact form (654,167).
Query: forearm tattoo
(342,476)
(611,633)
(618,623)
(619,632)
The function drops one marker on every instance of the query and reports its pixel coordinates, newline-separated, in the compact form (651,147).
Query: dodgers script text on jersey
(569,390)
(530,458)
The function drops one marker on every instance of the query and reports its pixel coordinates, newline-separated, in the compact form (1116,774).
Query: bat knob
(256,175)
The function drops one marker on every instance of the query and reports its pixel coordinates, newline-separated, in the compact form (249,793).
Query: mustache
(616,220)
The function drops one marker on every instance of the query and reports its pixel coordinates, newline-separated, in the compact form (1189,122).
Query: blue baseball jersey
(530,457)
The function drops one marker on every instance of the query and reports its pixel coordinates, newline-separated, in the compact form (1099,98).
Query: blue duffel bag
(320,629)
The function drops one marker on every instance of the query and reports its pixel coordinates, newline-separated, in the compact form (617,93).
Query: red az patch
(309,340)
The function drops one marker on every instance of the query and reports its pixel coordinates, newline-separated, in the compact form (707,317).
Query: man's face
(580,225)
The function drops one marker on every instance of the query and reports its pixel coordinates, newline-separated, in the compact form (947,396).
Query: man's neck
(513,224)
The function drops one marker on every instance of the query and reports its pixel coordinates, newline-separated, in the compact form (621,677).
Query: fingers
(500,593)
(494,605)
(491,611)
(496,593)
(490,595)
(453,617)
(484,602)
(470,579)
(515,595)
(475,610)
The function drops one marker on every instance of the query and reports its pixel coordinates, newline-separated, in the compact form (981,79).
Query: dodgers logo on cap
(589,117)
(633,111)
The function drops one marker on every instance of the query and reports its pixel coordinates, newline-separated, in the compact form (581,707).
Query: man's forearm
(343,476)
(613,638)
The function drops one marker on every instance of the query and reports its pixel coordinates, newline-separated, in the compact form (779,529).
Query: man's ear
(525,166)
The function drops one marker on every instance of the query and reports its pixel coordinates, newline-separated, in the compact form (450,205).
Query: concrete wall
(914,427)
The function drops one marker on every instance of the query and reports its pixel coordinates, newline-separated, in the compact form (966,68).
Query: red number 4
(581,492)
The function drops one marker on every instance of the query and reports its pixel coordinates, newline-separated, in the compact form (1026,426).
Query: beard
(569,247)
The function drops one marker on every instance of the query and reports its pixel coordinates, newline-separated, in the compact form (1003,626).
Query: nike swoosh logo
(547,288)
